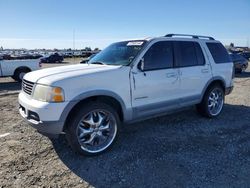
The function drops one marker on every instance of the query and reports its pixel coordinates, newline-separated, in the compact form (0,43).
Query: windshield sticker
(135,43)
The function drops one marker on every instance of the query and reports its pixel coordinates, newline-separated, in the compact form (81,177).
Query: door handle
(204,70)
(171,75)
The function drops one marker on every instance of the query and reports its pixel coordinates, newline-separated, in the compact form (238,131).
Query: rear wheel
(19,74)
(212,102)
(93,129)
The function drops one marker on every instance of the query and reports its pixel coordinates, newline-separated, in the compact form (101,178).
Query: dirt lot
(178,150)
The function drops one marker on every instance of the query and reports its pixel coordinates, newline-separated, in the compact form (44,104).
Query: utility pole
(74,44)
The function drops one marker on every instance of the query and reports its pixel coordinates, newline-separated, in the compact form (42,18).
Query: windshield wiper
(98,63)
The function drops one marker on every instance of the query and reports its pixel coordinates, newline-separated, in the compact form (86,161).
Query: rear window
(219,52)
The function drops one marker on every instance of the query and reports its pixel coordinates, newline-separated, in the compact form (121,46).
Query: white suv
(126,82)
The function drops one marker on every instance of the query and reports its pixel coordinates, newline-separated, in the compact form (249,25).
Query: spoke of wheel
(91,139)
(90,120)
(102,128)
(213,95)
(210,105)
(85,131)
(100,118)
(216,96)
(102,137)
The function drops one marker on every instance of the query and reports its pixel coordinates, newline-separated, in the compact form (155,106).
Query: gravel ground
(178,150)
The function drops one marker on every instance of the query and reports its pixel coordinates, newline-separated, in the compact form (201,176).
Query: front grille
(27,86)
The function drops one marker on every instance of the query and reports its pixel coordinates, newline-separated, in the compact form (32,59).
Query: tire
(243,68)
(87,133)
(212,102)
(19,74)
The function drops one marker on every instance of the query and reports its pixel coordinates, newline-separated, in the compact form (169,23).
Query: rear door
(194,70)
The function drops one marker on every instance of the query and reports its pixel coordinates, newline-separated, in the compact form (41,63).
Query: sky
(97,23)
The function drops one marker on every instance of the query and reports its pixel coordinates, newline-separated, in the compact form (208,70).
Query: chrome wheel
(243,69)
(215,101)
(96,131)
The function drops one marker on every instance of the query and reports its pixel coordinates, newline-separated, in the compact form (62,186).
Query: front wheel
(93,129)
(212,102)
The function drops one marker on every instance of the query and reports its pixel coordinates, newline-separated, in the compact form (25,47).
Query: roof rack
(193,36)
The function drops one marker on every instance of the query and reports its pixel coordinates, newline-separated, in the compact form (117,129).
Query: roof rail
(193,36)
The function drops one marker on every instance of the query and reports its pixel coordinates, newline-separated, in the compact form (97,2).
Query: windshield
(120,53)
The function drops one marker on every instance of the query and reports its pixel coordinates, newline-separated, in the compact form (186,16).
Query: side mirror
(141,65)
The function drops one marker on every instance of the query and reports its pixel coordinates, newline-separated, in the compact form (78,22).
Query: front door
(155,88)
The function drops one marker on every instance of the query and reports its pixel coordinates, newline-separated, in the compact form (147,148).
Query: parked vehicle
(54,58)
(240,63)
(246,55)
(87,60)
(126,82)
(17,68)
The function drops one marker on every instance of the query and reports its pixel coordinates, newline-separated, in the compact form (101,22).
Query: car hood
(50,75)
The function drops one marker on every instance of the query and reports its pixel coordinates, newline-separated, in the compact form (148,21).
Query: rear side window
(199,54)
(159,56)
(219,52)
(188,54)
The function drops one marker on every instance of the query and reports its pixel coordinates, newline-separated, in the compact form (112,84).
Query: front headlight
(48,93)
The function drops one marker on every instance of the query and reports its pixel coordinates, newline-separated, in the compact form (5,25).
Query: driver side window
(159,56)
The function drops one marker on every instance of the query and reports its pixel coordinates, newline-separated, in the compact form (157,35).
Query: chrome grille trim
(27,86)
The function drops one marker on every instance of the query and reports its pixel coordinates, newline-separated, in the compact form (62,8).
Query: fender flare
(126,113)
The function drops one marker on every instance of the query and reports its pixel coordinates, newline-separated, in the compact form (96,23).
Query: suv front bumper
(45,117)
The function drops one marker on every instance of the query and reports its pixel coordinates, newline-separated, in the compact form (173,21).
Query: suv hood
(50,75)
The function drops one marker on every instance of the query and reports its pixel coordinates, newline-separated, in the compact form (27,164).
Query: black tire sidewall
(17,73)
(74,120)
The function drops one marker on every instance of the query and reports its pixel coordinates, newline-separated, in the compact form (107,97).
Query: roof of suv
(183,37)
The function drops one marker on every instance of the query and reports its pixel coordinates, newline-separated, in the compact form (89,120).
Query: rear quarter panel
(8,67)
(223,71)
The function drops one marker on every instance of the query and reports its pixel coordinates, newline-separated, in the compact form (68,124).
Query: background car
(86,60)
(54,58)
(246,55)
(240,63)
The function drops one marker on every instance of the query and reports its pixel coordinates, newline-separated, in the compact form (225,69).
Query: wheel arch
(107,97)
(22,68)
(213,81)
